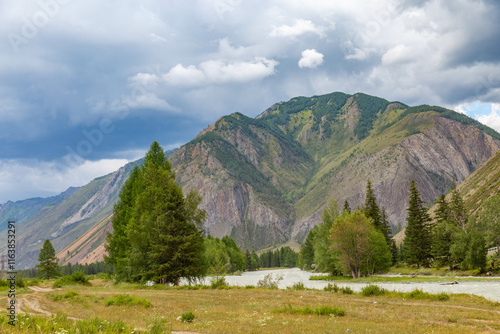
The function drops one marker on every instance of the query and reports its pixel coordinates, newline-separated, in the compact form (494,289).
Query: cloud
(397,55)
(310,59)
(48,178)
(493,119)
(300,27)
(220,72)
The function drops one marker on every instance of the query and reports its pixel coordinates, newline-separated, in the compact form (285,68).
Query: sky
(87,86)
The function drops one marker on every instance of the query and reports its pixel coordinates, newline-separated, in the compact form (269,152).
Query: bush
(347,290)
(187,317)
(321,310)
(298,286)
(372,290)
(331,287)
(75,278)
(119,300)
(218,283)
(268,282)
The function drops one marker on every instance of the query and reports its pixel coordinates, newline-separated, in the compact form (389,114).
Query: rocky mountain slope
(265,181)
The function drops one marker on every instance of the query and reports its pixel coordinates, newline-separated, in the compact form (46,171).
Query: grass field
(246,310)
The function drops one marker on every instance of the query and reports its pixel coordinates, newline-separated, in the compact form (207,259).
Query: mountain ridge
(265,180)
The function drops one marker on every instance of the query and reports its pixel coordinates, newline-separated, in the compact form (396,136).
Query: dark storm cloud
(143,71)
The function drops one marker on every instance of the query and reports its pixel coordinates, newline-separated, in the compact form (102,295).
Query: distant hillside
(21,210)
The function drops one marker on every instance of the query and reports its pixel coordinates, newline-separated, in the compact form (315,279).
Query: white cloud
(48,178)
(397,55)
(220,71)
(299,28)
(493,119)
(310,59)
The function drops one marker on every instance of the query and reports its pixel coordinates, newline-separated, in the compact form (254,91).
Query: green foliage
(346,290)
(419,294)
(373,212)
(325,259)
(306,254)
(187,316)
(319,310)
(223,256)
(372,290)
(77,278)
(123,299)
(490,218)
(157,232)
(330,287)
(218,283)
(268,282)
(417,240)
(285,257)
(369,107)
(468,250)
(298,286)
(47,267)
(360,247)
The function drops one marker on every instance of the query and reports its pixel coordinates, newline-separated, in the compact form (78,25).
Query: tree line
(359,243)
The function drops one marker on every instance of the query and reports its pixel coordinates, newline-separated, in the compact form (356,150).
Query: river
(489,290)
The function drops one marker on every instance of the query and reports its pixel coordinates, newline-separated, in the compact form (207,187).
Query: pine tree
(158,233)
(346,207)
(325,259)
(306,254)
(443,233)
(458,214)
(47,267)
(417,234)
(372,211)
(442,209)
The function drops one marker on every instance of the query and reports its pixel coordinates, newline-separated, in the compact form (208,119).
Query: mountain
(266,180)
(21,210)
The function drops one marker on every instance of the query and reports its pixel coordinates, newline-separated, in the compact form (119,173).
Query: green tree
(490,218)
(306,254)
(346,207)
(458,214)
(360,246)
(325,259)
(373,212)
(417,234)
(118,244)
(162,227)
(443,234)
(47,266)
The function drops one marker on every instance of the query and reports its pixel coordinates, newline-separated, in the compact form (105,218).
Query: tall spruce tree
(325,259)
(161,227)
(417,234)
(373,211)
(443,234)
(346,207)
(47,266)
(306,254)
(458,214)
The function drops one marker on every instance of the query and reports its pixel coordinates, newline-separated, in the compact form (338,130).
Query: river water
(489,290)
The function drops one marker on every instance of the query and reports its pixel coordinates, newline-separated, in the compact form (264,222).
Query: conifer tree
(325,259)
(443,234)
(160,225)
(346,207)
(306,254)
(372,211)
(47,267)
(417,234)
(458,214)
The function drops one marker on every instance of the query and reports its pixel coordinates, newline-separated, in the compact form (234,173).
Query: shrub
(218,283)
(443,296)
(187,317)
(321,310)
(75,278)
(331,287)
(268,282)
(372,290)
(119,300)
(298,286)
(347,290)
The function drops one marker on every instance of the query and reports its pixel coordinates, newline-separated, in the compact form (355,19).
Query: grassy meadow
(130,308)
